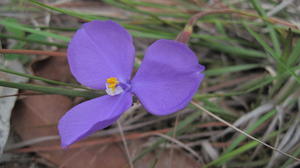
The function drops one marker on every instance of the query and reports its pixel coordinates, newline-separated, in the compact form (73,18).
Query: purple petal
(168,77)
(100,50)
(90,116)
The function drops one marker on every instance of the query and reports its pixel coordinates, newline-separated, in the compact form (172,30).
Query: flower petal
(100,50)
(168,77)
(90,116)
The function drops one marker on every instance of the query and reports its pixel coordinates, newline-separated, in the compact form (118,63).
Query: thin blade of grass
(33,31)
(241,138)
(273,35)
(230,69)
(238,51)
(32,40)
(69,12)
(260,40)
(237,151)
(274,55)
(50,90)
(40,78)
(295,54)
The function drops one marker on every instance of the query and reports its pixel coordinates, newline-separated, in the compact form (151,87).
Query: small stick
(33,52)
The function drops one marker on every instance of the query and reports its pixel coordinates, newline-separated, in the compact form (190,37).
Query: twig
(125,145)
(33,52)
(242,132)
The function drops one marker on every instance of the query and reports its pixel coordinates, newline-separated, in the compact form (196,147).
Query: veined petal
(100,50)
(90,116)
(168,77)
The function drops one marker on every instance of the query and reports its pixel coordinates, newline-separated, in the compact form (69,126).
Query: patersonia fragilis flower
(101,56)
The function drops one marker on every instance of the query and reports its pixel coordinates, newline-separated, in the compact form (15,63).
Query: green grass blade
(275,41)
(232,154)
(27,40)
(275,56)
(260,40)
(209,105)
(155,15)
(69,12)
(241,138)
(50,90)
(238,51)
(237,151)
(40,78)
(295,55)
(230,69)
(33,31)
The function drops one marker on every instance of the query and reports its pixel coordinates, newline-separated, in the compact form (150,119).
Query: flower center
(112,82)
(113,87)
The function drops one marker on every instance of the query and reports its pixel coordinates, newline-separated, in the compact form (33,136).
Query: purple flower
(101,56)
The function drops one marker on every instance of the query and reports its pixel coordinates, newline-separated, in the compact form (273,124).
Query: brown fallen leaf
(55,68)
(37,116)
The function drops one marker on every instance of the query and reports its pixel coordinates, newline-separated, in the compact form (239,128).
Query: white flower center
(112,86)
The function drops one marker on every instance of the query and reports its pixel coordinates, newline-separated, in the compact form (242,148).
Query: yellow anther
(112,82)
